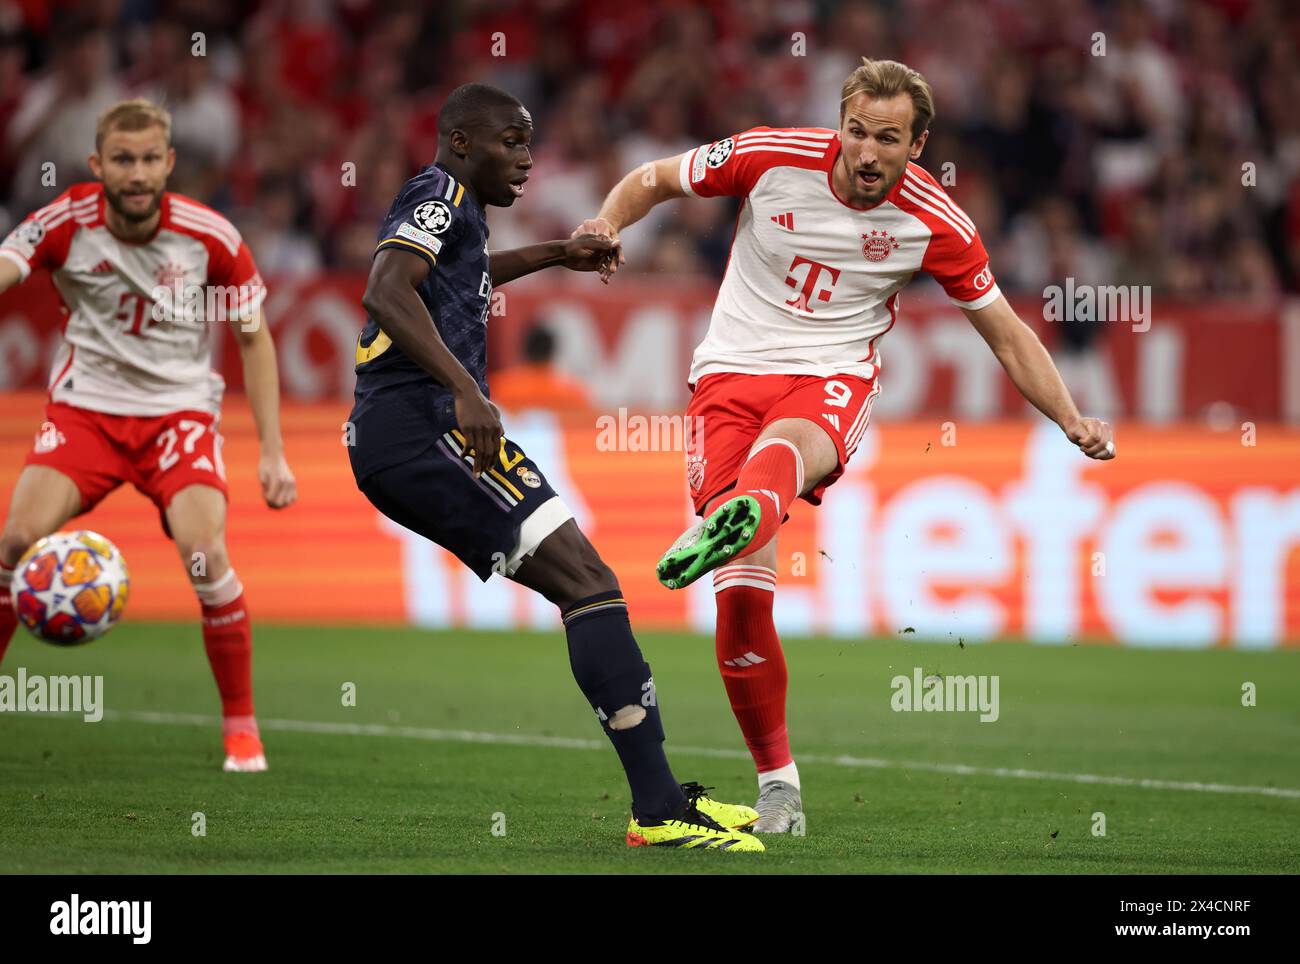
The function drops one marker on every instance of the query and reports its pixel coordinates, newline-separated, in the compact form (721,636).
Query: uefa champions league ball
(70,587)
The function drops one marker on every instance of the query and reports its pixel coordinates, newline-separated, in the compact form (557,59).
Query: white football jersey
(130,345)
(813,283)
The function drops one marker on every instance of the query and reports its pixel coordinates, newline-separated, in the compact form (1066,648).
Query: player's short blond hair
(132,115)
(888,78)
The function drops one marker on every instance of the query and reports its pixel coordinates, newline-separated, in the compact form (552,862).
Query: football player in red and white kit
(132,394)
(833,225)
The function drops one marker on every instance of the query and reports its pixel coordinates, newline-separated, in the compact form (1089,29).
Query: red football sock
(751,661)
(773,475)
(228,639)
(8,618)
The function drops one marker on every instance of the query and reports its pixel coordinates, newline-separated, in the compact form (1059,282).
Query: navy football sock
(616,680)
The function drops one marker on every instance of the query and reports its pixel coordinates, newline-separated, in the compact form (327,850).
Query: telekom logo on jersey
(805,276)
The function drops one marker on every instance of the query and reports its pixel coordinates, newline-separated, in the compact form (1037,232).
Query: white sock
(786,774)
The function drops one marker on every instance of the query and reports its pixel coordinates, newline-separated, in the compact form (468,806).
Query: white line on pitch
(575,743)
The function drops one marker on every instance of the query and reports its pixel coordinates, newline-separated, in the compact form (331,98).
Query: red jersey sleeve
(239,268)
(237,271)
(955,256)
(720,168)
(733,165)
(230,265)
(962,268)
(42,240)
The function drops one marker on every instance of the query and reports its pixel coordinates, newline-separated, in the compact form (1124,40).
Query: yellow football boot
(733,816)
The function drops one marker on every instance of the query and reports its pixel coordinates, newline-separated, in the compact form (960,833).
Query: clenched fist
(1094,438)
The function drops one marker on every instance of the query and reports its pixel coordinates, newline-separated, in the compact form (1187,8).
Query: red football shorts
(728,411)
(159,455)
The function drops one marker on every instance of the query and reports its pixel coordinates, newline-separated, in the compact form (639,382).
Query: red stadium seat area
(1140,142)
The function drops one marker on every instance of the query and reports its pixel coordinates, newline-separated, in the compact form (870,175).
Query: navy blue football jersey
(437,219)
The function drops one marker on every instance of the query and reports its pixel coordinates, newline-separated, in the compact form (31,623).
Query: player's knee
(15,540)
(573,568)
(205,558)
(593,576)
(585,577)
(12,546)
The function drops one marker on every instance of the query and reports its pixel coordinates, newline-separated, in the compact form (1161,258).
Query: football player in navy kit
(430,452)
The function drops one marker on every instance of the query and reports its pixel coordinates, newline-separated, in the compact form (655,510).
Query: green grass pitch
(452,728)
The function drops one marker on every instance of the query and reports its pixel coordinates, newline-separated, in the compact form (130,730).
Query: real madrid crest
(529,477)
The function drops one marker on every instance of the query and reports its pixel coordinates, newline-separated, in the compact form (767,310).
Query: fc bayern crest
(433,216)
(695,471)
(878,244)
(170,275)
(717,155)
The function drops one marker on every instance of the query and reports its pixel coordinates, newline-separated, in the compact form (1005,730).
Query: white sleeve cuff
(982,301)
(24,268)
(684,172)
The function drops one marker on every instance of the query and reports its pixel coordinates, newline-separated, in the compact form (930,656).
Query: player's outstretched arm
(393,301)
(582,252)
(262,384)
(1031,369)
(631,199)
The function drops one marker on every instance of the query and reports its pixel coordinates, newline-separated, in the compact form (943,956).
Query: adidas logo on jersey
(204,463)
(102,268)
(785,220)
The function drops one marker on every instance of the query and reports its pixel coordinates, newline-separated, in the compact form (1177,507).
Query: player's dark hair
(469,104)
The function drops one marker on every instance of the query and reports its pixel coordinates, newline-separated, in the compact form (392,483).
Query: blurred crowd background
(1125,167)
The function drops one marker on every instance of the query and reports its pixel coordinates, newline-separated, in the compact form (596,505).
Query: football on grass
(70,587)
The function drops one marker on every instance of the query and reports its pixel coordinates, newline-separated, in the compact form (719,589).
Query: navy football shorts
(491,523)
